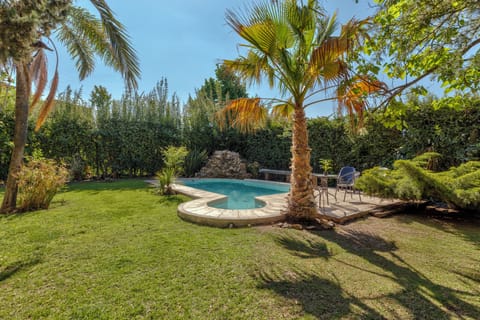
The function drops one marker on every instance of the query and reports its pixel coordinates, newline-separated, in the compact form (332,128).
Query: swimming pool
(240,193)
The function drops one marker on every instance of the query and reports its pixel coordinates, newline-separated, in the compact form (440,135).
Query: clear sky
(182,41)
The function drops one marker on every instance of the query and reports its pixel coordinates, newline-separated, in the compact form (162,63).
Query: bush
(78,168)
(38,182)
(254,169)
(194,161)
(174,157)
(165,179)
(459,187)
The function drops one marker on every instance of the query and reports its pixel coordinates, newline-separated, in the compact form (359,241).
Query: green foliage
(326,165)
(201,130)
(174,158)
(24,21)
(329,140)
(270,147)
(225,86)
(165,179)
(437,38)
(38,182)
(254,169)
(411,180)
(114,138)
(194,161)
(78,169)
(447,126)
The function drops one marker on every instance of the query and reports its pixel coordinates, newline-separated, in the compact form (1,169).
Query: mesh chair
(346,180)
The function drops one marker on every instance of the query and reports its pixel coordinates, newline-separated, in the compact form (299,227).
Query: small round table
(323,187)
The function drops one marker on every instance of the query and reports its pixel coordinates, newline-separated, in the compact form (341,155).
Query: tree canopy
(414,40)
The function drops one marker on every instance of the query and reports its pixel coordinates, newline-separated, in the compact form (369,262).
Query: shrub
(38,182)
(78,168)
(326,165)
(459,187)
(174,157)
(194,161)
(165,179)
(254,169)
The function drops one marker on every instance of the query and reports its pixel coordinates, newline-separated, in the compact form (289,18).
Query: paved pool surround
(199,211)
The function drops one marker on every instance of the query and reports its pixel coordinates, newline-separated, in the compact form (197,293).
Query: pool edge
(198,211)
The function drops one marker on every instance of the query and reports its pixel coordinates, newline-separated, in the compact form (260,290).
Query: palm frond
(352,96)
(38,74)
(123,55)
(251,68)
(245,114)
(284,110)
(49,102)
(78,48)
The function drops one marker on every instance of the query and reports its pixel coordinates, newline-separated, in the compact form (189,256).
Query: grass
(118,251)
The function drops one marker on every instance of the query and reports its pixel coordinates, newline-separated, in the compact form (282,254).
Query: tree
(25,27)
(292,46)
(437,38)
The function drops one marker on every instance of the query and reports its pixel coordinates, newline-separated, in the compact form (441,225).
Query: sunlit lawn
(118,251)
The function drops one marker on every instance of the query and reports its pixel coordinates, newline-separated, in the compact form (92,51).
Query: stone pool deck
(338,211)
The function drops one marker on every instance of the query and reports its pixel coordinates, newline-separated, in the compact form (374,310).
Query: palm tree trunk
(19,139)
(301,202)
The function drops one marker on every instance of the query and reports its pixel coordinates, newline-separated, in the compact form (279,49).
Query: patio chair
(346,180)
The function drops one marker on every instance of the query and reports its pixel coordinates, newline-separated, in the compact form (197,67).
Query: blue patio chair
(346,180)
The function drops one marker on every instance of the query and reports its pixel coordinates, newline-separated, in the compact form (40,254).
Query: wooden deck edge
(345,219)
(380,211)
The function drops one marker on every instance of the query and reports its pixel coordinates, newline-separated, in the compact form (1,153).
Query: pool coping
(198,210)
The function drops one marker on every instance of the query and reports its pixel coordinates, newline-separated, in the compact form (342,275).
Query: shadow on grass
(465,225)
(12,269)
(422,297)
(306,249)
(319,297)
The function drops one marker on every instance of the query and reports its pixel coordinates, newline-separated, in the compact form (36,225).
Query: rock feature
(224,164)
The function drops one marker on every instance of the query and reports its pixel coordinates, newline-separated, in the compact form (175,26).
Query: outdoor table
(323,185)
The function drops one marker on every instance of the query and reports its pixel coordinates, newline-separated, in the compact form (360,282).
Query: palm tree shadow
(307,249)
(426,294)
(17,266)
(324,298)
(464,224)
(319,297)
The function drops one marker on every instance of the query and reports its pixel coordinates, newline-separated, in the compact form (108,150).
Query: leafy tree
(26,25)
(225,86)
(201,131)
(292,46)
(438,38)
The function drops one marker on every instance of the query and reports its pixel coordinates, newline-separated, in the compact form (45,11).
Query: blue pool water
(241,194)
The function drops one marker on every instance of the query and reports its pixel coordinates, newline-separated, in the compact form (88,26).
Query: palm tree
(84,35)
(292,46)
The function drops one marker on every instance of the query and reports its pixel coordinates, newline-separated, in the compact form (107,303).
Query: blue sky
(182,41)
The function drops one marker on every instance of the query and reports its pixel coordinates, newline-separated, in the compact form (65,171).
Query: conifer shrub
(458,187)
(38,182)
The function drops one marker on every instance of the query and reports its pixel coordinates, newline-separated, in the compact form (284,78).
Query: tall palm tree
(292,46)
(84,36)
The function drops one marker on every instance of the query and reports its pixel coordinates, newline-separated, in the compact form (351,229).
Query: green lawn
(118,251)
